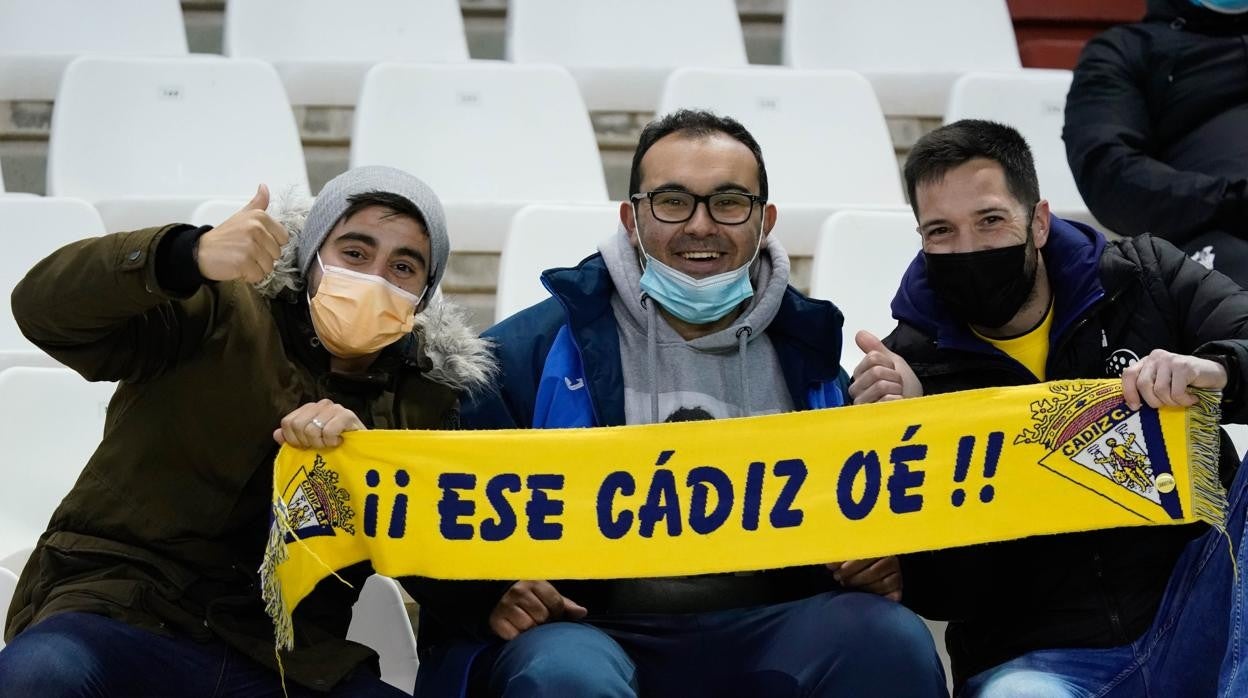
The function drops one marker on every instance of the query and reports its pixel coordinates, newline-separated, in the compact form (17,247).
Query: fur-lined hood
(460,359)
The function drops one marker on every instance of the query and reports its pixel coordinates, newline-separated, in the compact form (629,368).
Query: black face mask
(985,288)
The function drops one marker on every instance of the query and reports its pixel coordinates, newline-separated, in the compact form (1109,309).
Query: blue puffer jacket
(560,367)
(560,359)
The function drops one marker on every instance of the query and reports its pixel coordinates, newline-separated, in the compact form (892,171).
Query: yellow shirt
(1030,349)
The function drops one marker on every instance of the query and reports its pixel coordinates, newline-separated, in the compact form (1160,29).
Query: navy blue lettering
(753,501)
(541,506)
(451,507)
(622,483)
(783,515)
(505,525)
(869,464)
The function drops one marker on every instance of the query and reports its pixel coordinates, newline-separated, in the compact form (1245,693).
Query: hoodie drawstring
(652,355)
(743,336)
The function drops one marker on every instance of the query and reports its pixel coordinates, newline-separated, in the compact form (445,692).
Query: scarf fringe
(276,552)
(1209,502)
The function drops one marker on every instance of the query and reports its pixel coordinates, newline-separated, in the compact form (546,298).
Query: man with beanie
(1003,293)
(686,313)
(226,342)
(1157,129)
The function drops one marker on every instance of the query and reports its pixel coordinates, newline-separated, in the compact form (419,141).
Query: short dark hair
(955,144)
(400,205)
(695,123)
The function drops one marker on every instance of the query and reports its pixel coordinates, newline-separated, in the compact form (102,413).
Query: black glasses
(674,206)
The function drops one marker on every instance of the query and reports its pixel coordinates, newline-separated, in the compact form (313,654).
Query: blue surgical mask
(1226,7)
(697,301)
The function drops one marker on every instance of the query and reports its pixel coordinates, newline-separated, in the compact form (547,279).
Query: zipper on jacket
(1070,333)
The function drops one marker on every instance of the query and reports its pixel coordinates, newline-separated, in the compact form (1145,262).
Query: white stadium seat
(33,228)
(1034,102)
(146,140)
(52,420)
(620,52)
(825,142)
(379,621)
(488,137)
(543,237)
(16,561)
(323,48)
(38,38)
(910,50)
(1239,436)
(215,211)
(858,265)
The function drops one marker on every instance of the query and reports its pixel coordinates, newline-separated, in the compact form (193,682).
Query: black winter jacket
(1112,301)
(1157,124)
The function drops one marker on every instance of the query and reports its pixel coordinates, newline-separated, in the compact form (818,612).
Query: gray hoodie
(668,378)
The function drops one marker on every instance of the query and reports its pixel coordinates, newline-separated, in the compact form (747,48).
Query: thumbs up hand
(246,246)
(881,375)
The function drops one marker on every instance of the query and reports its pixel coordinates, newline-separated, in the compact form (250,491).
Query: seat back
(950,35)
(33,228)
(542,237)
(150,127)
(858,265)
(52,421)
(620,52)
(379,620)
(38,38)
(638,33)
(325,47)
(823,136)
(373,30)
(215,211)
(1034,102)
(481,131)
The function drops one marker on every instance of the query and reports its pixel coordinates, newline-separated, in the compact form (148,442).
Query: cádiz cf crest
(1092,436)
(315,504)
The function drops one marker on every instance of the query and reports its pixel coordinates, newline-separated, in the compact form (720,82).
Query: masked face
(697,301)
(986,288)
(696,261)
(359,314)
(980,244)
(369,279)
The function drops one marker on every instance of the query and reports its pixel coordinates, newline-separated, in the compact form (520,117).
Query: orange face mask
(357,314)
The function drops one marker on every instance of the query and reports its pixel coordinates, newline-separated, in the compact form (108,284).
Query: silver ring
(317,423)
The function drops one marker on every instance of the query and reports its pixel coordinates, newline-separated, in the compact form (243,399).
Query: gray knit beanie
(334,200)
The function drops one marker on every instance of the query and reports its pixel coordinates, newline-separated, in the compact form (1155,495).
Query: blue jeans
(1195,646)
(831,644)
(84,654)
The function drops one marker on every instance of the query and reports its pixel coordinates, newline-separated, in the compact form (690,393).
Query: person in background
(1155,129)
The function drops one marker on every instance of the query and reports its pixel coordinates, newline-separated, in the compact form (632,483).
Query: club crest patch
(1092,436)
(315,504)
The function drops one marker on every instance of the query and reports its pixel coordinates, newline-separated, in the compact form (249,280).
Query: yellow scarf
(741,494)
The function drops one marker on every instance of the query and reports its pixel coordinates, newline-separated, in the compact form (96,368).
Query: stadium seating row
(147,140)
(620,53)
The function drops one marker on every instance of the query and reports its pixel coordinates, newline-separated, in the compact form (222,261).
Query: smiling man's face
(703,165)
